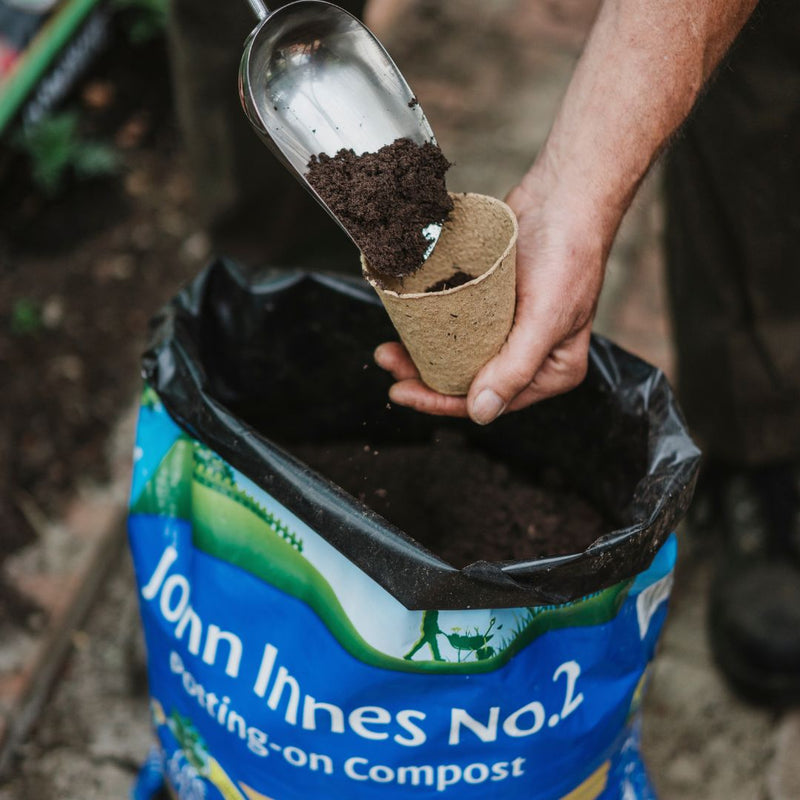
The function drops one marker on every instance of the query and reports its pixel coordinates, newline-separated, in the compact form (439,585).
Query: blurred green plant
(56,148)
(148,18)
(26,317)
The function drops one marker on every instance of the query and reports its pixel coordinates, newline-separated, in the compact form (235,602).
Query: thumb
(508,373)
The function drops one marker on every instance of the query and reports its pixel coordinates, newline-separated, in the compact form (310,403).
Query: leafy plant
(148,20)
(26,317)
(56,148)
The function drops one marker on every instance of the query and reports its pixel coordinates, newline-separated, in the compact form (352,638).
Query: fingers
(409,390)
(560,271)
(563,369)
(521,374)
(413,393)
(394,358)
(509,372)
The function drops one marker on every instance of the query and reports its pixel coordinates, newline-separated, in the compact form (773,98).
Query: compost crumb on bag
(301,646)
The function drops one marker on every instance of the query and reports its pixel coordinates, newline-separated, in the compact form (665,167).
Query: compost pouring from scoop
(323,94)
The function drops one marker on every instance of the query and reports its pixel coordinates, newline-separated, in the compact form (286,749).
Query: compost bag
(301,646)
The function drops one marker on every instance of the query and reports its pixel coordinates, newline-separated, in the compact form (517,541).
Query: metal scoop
(313,79)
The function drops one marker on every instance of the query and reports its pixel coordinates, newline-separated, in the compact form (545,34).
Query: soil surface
(458,278)
(386,199)
(458,502)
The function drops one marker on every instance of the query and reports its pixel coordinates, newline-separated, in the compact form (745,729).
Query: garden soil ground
(80,274)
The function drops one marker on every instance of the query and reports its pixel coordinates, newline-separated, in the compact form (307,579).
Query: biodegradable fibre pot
(302,646)
(451,334)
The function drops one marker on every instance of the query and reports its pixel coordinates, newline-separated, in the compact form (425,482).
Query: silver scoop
(313,79)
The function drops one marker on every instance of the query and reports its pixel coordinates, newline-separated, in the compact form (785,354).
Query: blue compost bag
(300,646)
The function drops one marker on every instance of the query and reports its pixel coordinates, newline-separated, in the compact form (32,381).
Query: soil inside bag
(546,505)
(459,502)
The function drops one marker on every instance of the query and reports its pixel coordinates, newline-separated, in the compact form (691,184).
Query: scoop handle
(259,8)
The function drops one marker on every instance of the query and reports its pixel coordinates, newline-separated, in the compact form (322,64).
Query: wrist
(574,201)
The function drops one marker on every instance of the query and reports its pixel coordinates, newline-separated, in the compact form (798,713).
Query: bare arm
(641,71)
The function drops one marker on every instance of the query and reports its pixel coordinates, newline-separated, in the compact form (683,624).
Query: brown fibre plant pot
(451,334)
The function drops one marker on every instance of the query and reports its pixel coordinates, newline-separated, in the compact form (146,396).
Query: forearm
(641,71)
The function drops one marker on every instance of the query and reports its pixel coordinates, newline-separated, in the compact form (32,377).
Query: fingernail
(488,406)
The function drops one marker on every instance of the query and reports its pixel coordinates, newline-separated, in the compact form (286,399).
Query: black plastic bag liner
(238,363)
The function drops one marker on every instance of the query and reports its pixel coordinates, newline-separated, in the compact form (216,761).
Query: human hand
(620,108)
(561,254)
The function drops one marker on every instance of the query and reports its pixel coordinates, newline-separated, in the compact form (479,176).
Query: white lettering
(418,736)
(168,558)
(476,773)
(572,669)
(295,756)
(512,729)
(196,632)
(317,759)
(213,638)
(419,775)
(256,741)
(285,679)
(486,733)
(369,715)
(350,765)
(265,670)
(169,612)
(500,771)
(310,706)
(447,775)
(381,774)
